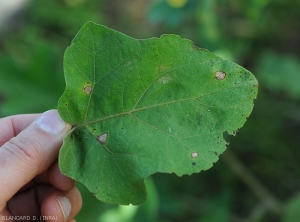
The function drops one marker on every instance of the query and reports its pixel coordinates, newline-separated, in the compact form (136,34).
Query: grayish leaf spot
(165,79)
(195,154)
(128,63)
(102,138)
(220,75)
(88,89)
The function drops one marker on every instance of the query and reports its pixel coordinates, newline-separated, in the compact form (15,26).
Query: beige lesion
(165,79)
(195,154)
(88,89)
(220,75)
(102,138)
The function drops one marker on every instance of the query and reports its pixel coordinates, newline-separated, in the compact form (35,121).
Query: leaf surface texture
(144,106)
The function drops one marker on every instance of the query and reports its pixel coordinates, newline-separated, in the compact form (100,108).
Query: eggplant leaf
(144,106)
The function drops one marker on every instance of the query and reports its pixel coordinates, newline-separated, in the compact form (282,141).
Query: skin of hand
(31,184)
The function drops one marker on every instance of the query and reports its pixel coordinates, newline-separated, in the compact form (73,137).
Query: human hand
(32,187)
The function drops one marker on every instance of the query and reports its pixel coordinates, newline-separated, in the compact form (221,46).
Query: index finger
(12,125)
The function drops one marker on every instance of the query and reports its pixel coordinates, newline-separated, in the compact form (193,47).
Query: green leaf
(291,212)
(39,82)
(144,106)
(280,72)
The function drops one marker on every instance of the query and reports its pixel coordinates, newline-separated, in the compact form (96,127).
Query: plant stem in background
(252,182)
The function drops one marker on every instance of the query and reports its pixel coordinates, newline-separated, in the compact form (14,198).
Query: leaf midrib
(134,110)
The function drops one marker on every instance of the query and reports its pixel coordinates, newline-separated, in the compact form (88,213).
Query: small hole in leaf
(193,163)
(102,138)
(220,75)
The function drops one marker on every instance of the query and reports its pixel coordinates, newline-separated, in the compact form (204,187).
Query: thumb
(31,152)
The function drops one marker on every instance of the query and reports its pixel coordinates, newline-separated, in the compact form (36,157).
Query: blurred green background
(258,177)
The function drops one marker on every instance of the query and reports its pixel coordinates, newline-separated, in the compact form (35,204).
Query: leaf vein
(78,66)
(153,106)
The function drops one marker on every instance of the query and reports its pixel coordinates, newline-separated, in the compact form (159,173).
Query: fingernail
(65,205)
(51,122)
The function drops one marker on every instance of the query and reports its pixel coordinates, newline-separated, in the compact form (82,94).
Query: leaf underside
(144,106)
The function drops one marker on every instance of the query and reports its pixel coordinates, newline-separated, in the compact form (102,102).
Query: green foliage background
(258,177)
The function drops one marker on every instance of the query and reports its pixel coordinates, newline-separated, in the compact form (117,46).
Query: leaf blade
(158,103)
